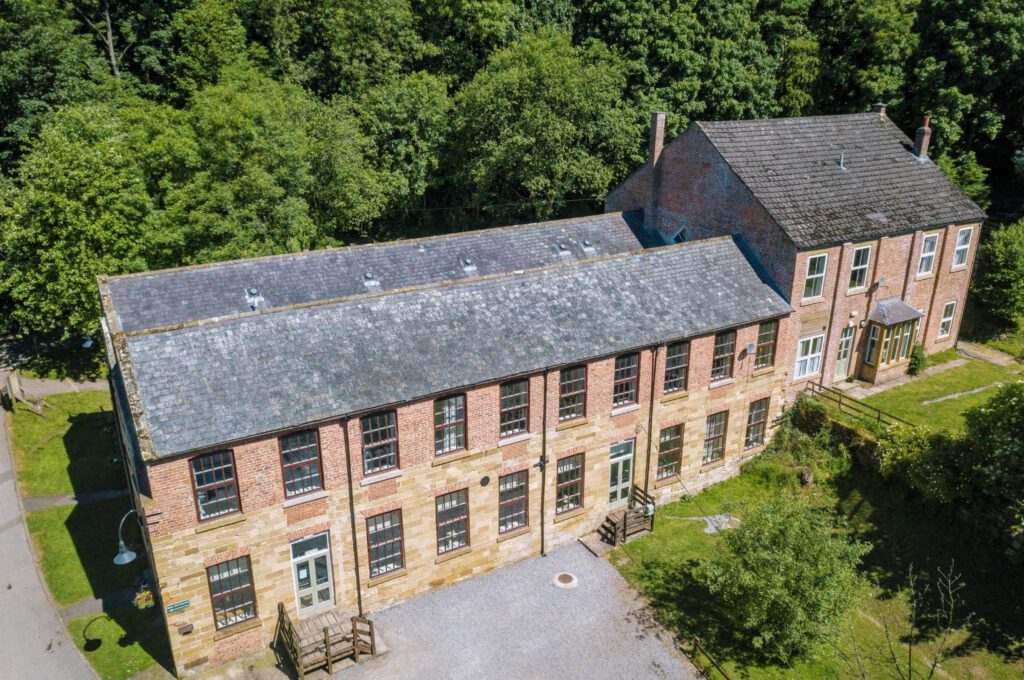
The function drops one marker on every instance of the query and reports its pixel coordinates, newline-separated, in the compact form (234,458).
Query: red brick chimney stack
(922,139)
(657,142)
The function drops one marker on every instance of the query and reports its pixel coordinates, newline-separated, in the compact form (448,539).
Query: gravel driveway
(515,624)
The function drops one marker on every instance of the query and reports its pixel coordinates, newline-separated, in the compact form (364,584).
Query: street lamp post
(124,555)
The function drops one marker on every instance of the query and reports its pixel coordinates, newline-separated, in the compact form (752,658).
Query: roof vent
(842,161)
(253,297)
(563,249)
(369,281)
(468,265)
(587,245)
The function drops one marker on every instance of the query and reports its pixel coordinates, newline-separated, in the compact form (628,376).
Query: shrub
(994,439)
(809,415)
(1000,281)
(784,579)
(918,360)
(929,462)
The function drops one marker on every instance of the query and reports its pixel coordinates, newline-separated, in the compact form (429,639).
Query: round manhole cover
(565,580)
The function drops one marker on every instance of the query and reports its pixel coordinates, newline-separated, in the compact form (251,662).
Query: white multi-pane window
(869,355)
(384,536)
(512,501)
(927,261)
(814,284)
(963,246)
(859,270)
(452,521)
(450,424)
(946,324)
(808,356)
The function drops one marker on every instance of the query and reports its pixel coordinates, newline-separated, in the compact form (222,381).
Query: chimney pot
(923,138)
(657,142)
(879,108)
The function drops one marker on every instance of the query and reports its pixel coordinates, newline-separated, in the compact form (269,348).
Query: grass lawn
(900,533)
(1010,341)
(68,447)
(907,401)
(76,545)
(113,651)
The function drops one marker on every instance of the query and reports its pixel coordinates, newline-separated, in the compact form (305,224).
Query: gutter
(352,518)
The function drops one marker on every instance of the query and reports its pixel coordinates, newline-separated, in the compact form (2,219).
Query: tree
(541,123)
(408,120)
(335,46)
(207,37)
(994,434)
(999,284)
(77,210)
(865,46)
(44,64)
(784,579)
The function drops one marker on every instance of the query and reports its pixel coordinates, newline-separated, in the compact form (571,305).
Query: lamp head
(124,555)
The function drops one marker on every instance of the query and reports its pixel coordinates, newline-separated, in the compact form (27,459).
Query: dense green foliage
(158,134)
(785,577)
(999,283)
(979,470)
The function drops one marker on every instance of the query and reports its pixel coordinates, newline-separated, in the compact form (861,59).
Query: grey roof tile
(891,311)
(176,296)
(792,167)
(226,380)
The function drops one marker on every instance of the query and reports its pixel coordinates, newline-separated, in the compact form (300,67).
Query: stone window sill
(625,408)
(570,514)
(390,576)
(762,371)
(521,531)
(812,301)
(667,481)
(305,498)
(707,467)
(673,396)
(380,477)
(515,439)
(237,628)
(856,291)
(568,424)
(721,383)
(456,455)
(958,269)
(459,552)
(212,524)
(805,378)
(922,277)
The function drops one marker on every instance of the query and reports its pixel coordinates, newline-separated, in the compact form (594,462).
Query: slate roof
(791,165)
(226,380)
(891,311)
(176,296)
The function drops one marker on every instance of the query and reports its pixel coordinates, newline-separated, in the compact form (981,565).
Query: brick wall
(183,547)
(700,194)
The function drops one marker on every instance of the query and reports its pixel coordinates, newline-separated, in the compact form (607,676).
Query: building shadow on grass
(93,462)
(93,531)
(905,532)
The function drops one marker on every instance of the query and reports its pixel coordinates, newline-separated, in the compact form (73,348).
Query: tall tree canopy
(221,128)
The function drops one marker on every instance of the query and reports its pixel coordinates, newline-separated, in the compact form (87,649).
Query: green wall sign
(177,606)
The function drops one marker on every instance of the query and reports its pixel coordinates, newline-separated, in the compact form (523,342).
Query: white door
(620,481)
(311,565)
(845,347)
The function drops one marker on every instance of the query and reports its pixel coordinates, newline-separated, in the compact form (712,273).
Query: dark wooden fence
(854,407)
